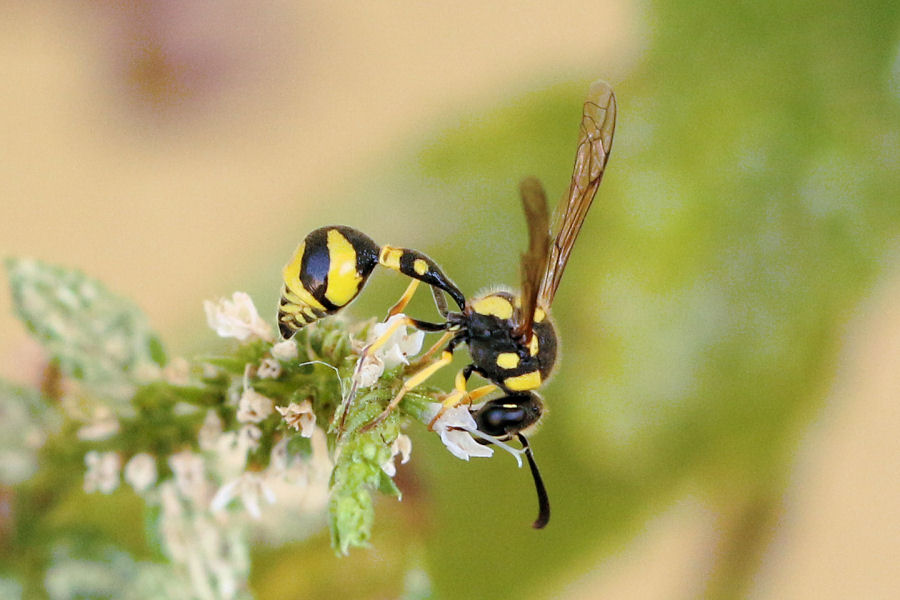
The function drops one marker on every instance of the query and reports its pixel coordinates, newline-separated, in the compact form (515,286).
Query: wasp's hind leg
(415,380)
(370,350)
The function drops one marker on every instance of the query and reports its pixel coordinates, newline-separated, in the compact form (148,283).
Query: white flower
(104,426)
(190,476)
(368,371)
(455,427)
(402,446)
(236,318)
(210,431)
(140,472)
(249,486)
(400,345)
(177,372)
(102,473)
(253,407)
(458,429)
(392,352)
(286,350)
(269,368)
(299,416)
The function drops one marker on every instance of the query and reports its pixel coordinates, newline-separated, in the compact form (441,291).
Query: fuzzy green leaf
(93,334)
(25,422)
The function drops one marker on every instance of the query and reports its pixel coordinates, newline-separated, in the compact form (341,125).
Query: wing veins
(594,144)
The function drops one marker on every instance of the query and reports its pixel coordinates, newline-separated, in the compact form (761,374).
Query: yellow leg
(366,352)
(426,356)
(404,299)
(416,380)
(460,396)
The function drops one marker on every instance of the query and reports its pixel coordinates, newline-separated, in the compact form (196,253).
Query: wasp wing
(534,262)
(598,123)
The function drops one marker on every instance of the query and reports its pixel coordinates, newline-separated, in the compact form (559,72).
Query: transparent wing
(598,122)
(534,262)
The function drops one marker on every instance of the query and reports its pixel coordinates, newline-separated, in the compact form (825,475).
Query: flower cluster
(230,444)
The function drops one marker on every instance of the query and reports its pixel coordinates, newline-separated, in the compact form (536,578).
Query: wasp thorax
(498,352)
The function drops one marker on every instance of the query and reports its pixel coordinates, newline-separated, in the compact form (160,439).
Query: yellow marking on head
(420,266)
(497,306)
(343,278)
(292,283)
(526,381)
(533,345)
(390,257)
(539,315)
(507,360)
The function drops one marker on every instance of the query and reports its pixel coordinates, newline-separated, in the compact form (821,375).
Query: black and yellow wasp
(511,338)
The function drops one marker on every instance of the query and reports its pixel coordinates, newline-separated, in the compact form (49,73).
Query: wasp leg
(414,381)
(369,350)
(417,379)
(426,356)
(459,395)
(397,308)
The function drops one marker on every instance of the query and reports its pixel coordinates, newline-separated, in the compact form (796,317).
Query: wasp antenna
(543,500)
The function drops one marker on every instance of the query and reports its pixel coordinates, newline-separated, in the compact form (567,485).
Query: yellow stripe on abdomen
(343,277)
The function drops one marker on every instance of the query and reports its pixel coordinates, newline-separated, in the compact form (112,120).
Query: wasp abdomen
(327,271)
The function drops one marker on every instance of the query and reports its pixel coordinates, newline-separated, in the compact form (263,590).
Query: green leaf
(358,472)
(93,334)
(25,422)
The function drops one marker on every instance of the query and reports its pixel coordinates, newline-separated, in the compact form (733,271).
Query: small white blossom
(102,473)
(140,472)
(269,368)
(249,487)
(177,372)
(369,371)
(250,436)
(393,352)
(299,416)
(253,407)
(455,427)
(210,431)
(237,318)
(402,446)
(103,426)
(400,345)
(190,475)
(286,350)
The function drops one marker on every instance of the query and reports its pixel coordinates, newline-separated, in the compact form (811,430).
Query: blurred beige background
(151,145)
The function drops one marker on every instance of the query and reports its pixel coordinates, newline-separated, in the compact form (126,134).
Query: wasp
(510,336)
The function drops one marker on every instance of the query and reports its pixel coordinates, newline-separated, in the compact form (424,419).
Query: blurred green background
(724,419)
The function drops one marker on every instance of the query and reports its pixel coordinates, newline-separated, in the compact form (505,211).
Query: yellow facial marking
(533,346)
(507,360)
(292,284)
(420,266)
(390,257)
(343,278)
(493,305)
(539,315)
(526,381)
